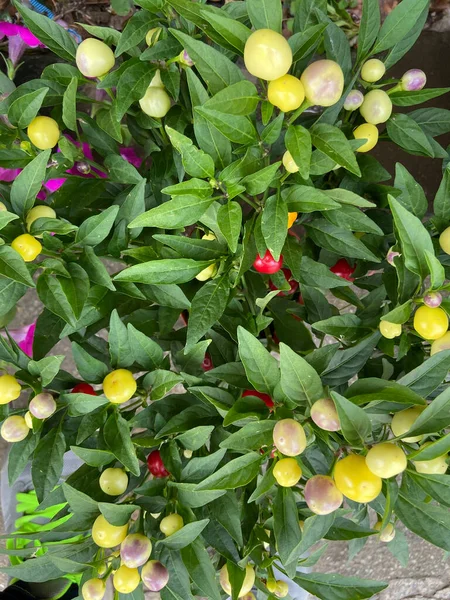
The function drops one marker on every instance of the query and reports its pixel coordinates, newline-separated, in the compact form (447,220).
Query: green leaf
(188,495)
(414,238)
(196,437)
(236,128)
(134,32)
(46,368)
(132,85)
(437,271)
(298,142)
(185,536)
(285,523)
(368,28)
(117,437)
(337,47)
(435,417)
(119,344)
(348,197)
(75,287)
(13,267)
(146,353)
(402,47)
(441,204)
(195,162)
(436,486)
(110,36)
(96,228)
(259,182)
(229,219)
(166,271)
(200,467)
(260,367)
(412,197)
(265,14)
(299,381)
(90,369)
(28,183)
(407,134)
(272,132)
(335,587)
(47,463)
(19,455)
(433,121)
(55,37)
(274,224)
(346,363)
(238,99)
(304,43)
(207,307)
(81,404)
(405,98)
(430,522)
(314,530)
(355,423)
(6,218)
(425,378)
(23,110)
(236,473)
(52,294)
(432,450)
(117,514)
(398,23)
(192,247)
(93,457)
(250,437)
(354,219)
(331,141)
(215,68)
(303,198)
(229,33)
(161,382)
(122,171)
(346,325)
(70,105)
(201,569)
(338,240)
(167,295)
(315,274)
(179,212)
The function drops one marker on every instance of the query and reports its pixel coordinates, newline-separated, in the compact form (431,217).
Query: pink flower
(10,30)
(52,185)
(8,174)
(130,155)
(24,337)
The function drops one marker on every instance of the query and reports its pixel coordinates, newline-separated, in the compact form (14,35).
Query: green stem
(298,112)
(250,202)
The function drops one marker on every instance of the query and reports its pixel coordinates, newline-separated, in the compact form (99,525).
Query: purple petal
(16,49)
(8,29)
(54,184)
(24,337)
(130,155)
(29,38)
(8,174)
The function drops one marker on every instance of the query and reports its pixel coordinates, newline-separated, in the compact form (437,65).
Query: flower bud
(153,36)
(387,534)
(14,429)
(185,59)
(433,299)
(84,168)
(354,100)
(187,453)
(323,81)
(155,576)
(135,550)
(42,406)
(413,80)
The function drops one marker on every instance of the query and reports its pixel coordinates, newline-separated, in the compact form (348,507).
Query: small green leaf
(299,381)
(260,367)
(70,105)
(236,473)
(28,183)
(355,423)
(118,439)
(25,108)
(165,271)
(95,229)
(331,141)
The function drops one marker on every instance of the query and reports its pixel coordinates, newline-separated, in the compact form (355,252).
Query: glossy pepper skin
(155,465)
(343,269)
(267,264)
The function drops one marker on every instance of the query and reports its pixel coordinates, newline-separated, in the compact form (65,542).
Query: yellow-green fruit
(209,236)
(14,429)
(126,580)
(430,323)
(113,482)
(287,472)
(377,107)
(444,240)
(29,419)
(39,212)
(119,386)
(27,246)
(171,524)
(153,36)
(156,80)
(3,207)
(323,81)
(289,163)
(390,330)
(286,93)
(289,437)
(442,343)
(207,273)
(403,421)
(94,58)
(246,585)
(373,70)
(43,132)
(368,132)
(434,466)
(355,480)
(386,460)
(267,54)
(387,534)
(271,585)
(282,589)
(93,589)
(106,535)
(155,103)
(10,389)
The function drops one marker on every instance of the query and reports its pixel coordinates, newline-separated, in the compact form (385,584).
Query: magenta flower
(130,155)
(24,337)
(8,174)
(10,30)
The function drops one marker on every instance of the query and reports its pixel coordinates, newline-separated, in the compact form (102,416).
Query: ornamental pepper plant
(257,313)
